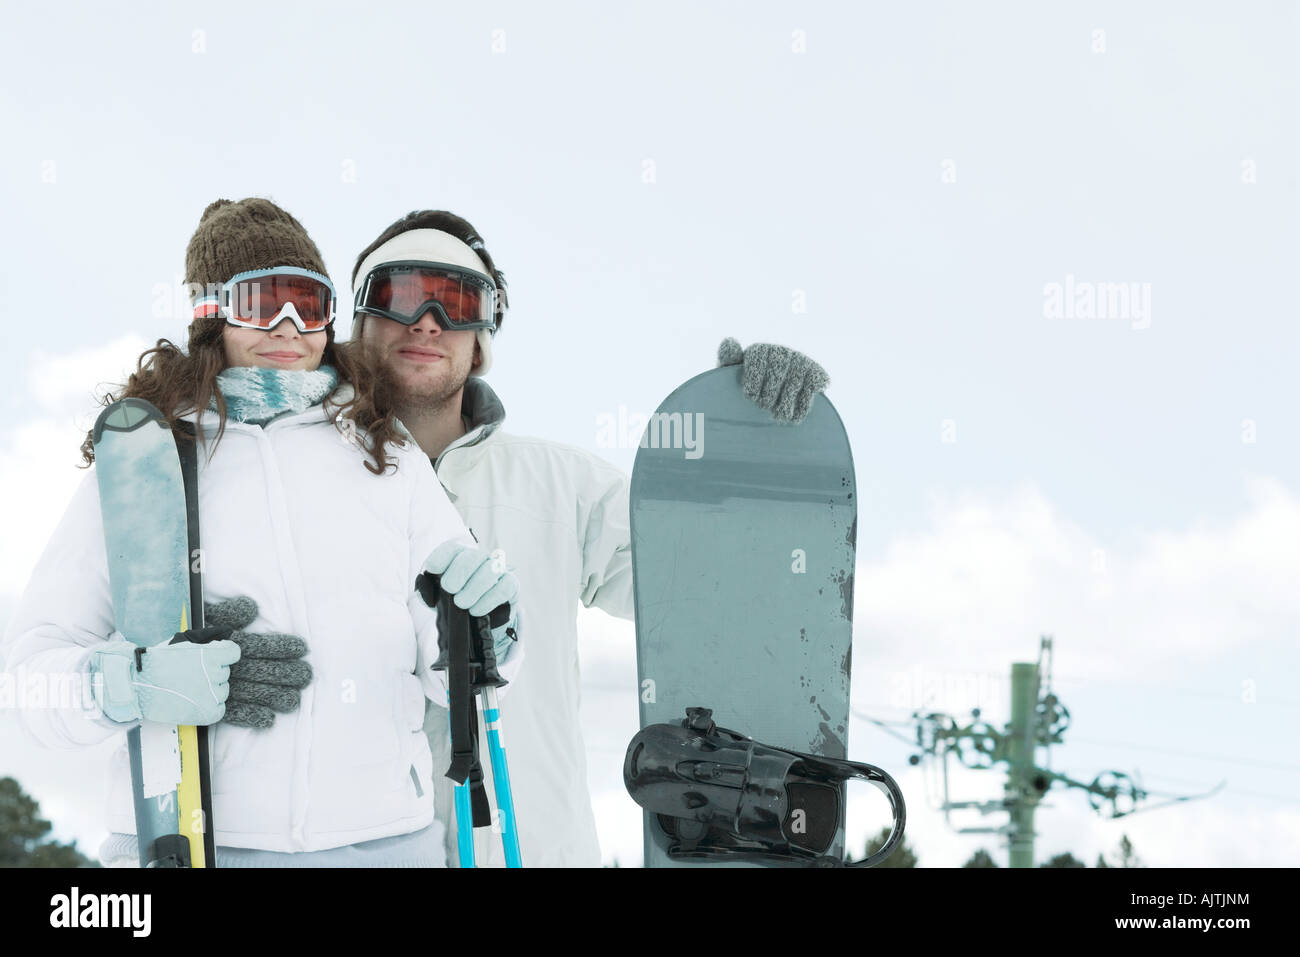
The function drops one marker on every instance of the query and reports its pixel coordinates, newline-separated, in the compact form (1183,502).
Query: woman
(311,507)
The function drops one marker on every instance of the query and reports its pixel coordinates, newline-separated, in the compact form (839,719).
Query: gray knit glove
(268,677)
(780,380)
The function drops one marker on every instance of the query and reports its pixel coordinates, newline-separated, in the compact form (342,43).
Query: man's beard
(428,393)
(392,391)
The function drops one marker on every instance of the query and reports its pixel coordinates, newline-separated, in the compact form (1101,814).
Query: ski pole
(464,826)
(501,778)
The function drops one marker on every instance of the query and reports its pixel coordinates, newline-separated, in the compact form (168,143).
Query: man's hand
(780,380)
(479,580)
(268,678)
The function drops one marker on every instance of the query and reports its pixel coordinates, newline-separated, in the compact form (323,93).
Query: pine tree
(1123,856)
(902,855)
(1126,856)
(981,858)
(1063,860)
(24,835)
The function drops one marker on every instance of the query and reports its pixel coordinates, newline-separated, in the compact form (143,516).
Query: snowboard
(743,541)
(150,515)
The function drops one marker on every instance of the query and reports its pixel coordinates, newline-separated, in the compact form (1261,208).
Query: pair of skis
(148,496)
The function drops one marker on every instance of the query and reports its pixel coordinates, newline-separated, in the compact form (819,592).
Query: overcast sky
(1045,252)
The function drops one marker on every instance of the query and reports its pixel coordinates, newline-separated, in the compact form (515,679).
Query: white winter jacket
(561,516)
(291,517)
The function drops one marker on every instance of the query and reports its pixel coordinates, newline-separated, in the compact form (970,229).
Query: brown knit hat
(250,234)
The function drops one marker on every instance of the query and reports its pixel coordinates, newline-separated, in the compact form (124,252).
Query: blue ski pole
(501,778)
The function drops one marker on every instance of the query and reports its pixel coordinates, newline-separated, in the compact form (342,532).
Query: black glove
(780,380)
(268,677)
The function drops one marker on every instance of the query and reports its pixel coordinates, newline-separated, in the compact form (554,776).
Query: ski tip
(125,415)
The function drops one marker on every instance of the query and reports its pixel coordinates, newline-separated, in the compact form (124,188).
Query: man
(429,300)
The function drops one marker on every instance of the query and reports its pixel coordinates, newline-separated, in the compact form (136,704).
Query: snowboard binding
(723,797)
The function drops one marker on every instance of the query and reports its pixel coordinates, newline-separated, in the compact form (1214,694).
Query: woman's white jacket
(291,517)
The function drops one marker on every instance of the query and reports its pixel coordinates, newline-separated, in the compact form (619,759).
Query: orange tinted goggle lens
(260,301)
(405,293)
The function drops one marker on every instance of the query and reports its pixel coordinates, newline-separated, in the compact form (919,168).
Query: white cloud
(1253,833)
(976,588)
(71,381)
(39,459)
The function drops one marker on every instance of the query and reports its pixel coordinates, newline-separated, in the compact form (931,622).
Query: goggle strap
(207,308)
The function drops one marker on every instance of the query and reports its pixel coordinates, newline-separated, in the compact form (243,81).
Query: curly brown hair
(178,382)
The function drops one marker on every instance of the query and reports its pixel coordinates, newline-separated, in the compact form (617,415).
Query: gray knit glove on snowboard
(780,380)
(268,677)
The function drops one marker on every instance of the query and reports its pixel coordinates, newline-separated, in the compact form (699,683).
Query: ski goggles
(404,291)
(261,298)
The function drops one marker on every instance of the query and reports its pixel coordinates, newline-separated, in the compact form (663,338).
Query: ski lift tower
(1038,720)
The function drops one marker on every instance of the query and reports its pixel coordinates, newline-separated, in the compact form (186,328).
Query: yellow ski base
(189,800)
(189,804)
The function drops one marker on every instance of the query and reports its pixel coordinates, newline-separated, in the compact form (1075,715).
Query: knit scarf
(258,395)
